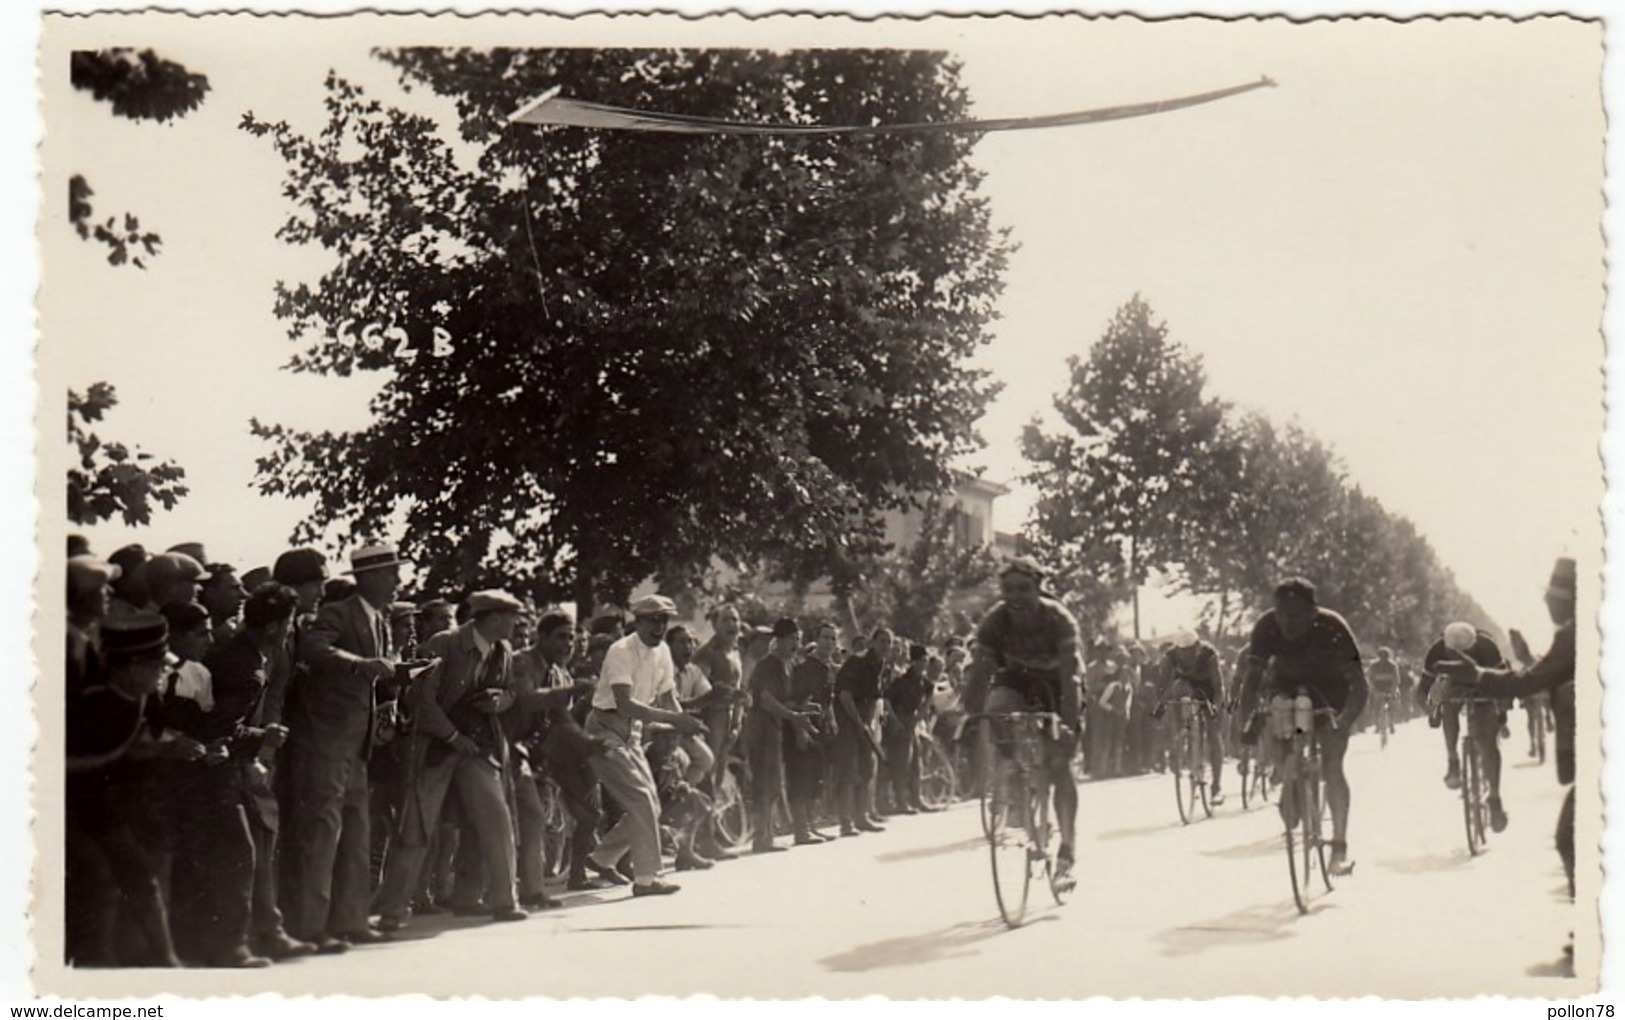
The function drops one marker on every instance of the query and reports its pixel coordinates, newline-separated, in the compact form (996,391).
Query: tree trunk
(1134,580)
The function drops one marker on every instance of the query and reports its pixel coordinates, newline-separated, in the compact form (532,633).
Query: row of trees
(1149,476)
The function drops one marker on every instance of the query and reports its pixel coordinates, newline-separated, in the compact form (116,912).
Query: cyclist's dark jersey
(1198,667)
(1484,651)
(1030,649)
(1384,676)
(1317,663)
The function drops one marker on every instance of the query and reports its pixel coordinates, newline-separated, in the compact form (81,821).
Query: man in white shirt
(637,673)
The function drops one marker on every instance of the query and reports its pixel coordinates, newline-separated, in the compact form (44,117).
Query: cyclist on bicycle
(1191,669)
(1025,660)
(1384,677)
(1301,646)
(1485,718)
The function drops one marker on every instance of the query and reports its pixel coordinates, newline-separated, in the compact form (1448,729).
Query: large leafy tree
(659,348)
(912,588)
(109,478)
(1124,472)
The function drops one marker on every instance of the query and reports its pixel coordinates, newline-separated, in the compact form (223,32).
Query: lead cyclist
(1025,660)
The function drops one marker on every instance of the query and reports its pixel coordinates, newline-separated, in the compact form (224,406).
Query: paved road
(1162,911)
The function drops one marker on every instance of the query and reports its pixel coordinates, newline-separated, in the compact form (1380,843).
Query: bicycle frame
(1474,784)
(1303,794)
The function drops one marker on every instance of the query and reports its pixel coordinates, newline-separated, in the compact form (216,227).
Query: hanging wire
(530,236)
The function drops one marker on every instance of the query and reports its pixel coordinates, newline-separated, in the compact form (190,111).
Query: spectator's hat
(786,627)
(192,549)
(256,577)
(300,566)
(398,610)
(433,605)
(135,635)
(483,603)
(1564,580)
(377,556)
(78,545)
(655,729)
(654,605)
(172,566)
(88,572)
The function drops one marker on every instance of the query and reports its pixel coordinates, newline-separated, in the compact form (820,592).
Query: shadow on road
(1266,847)
(1427,862)
(1142,830)
(914,950)
(975,842)
(1244,927)
(658,927)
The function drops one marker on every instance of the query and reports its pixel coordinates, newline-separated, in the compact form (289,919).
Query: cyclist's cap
(1185,639)
(1295,589)
(1460,636)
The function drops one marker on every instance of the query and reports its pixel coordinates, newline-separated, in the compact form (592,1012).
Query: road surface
(1162,911)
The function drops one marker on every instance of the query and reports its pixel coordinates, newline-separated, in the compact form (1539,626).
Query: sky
(1399,246)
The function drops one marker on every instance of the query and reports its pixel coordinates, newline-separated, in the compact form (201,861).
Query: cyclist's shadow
(1254,925)
(953,942)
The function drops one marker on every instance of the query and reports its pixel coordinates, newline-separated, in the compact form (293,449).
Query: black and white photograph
(781,507)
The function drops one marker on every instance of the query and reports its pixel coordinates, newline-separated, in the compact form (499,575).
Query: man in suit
(346,648)
(459,739)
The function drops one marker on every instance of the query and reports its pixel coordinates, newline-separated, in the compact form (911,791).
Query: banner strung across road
(552,109)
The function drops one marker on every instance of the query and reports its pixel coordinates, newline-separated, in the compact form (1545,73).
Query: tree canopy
(111,478)
(1149,472)
(610,354)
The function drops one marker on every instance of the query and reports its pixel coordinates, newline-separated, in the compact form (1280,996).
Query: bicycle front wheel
(1007,843)
(1472,798)
(1184,782)
(1314,832)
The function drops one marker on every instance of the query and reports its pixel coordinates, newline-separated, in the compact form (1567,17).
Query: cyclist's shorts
(1039,691)
(1184,686)
(1058,753)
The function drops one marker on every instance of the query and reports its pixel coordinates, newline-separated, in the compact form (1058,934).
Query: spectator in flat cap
(337,589)
(458,740)
(637,675)
(172,579)
(347,648)
(78,545)
(188,679)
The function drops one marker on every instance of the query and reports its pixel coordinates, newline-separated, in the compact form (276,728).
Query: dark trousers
(265,917)
(334,848)
(902,762)
(764,748)
(853,765)
(1565,838)
(212,883)
(114,910)
(803,771)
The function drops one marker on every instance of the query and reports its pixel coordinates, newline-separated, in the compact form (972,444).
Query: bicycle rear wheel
(986,766)
(1244,771)
(1199,776)
(937,779)
(1045,843)
(1008,844)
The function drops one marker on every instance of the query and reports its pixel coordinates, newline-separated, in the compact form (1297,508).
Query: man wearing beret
(636,673)
(347,651)
(458,739)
